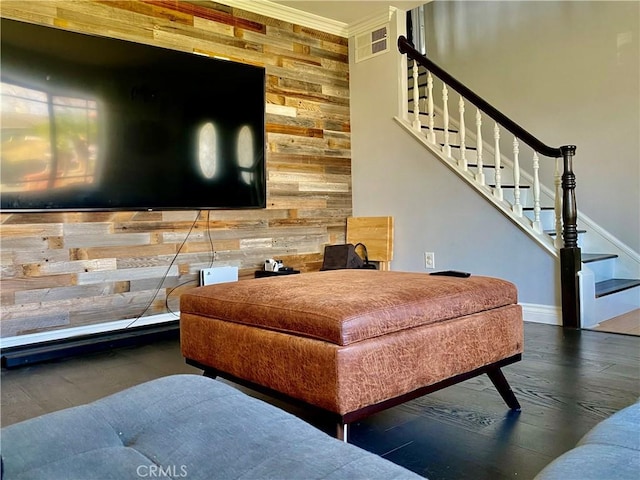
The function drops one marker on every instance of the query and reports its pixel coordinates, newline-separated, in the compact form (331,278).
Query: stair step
(484,165)
(553,232)
(412,111)
(422,77)
(596,257)
(441,129)
(511,186)
(601,265)
(614,285)
(530,209)
(457,146)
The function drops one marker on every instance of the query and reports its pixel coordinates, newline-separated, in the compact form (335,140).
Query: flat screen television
(95,123)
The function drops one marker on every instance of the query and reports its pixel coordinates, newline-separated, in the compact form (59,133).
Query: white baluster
(462,134)
(445,101)
(480,172)
(432,132)
(558,205)
(416,98)
(537,225)
(497,191)
(517,206)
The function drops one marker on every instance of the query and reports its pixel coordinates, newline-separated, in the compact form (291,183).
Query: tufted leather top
(347,306)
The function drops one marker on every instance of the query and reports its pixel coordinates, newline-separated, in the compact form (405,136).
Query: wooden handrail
(406,47)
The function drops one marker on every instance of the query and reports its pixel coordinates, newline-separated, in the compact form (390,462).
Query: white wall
(569,72)
(433,210)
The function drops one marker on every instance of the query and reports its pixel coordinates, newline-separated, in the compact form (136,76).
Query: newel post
(570,257)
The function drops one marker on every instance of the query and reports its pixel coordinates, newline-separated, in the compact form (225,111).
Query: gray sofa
(610,450)
(182,426)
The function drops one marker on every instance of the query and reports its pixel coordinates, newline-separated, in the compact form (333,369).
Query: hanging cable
(166,274)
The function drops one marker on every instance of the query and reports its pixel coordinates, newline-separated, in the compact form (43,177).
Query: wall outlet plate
(429,260)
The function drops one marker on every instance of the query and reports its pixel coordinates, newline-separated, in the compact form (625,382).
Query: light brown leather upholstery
(347,306)
(343,340)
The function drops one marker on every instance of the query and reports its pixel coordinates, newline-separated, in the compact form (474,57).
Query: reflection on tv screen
(48,141)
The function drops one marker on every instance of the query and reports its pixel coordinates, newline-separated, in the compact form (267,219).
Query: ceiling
(346,11)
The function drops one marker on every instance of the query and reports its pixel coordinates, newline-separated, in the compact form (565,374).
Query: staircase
(503,168)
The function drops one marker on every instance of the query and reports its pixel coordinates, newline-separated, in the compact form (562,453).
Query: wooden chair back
(376,233)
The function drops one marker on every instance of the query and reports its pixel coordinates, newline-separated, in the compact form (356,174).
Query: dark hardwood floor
(567,382)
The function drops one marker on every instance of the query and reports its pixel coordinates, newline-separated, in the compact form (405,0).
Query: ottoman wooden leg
(501,384)
(342,432)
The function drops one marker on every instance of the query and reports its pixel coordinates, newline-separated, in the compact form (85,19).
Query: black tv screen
(94,123)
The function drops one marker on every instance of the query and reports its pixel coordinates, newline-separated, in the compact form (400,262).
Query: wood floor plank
(629,323)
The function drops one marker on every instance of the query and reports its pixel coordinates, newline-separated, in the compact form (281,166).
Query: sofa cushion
(621,429)
(594,462)
(182,426)
(348,306)
(610,450)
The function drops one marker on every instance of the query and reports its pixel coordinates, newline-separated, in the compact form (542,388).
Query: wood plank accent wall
(63,270)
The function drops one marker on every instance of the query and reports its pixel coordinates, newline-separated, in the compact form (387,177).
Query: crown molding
(372,21)
(291,15)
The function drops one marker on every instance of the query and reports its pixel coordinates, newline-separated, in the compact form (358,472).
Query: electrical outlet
(429,260)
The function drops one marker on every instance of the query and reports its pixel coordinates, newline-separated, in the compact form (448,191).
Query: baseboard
(37,352)
(96,328)
(547,314)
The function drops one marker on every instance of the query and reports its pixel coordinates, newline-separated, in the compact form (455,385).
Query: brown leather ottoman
(353,342)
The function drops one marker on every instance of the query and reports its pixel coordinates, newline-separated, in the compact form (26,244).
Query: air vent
(372,43)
